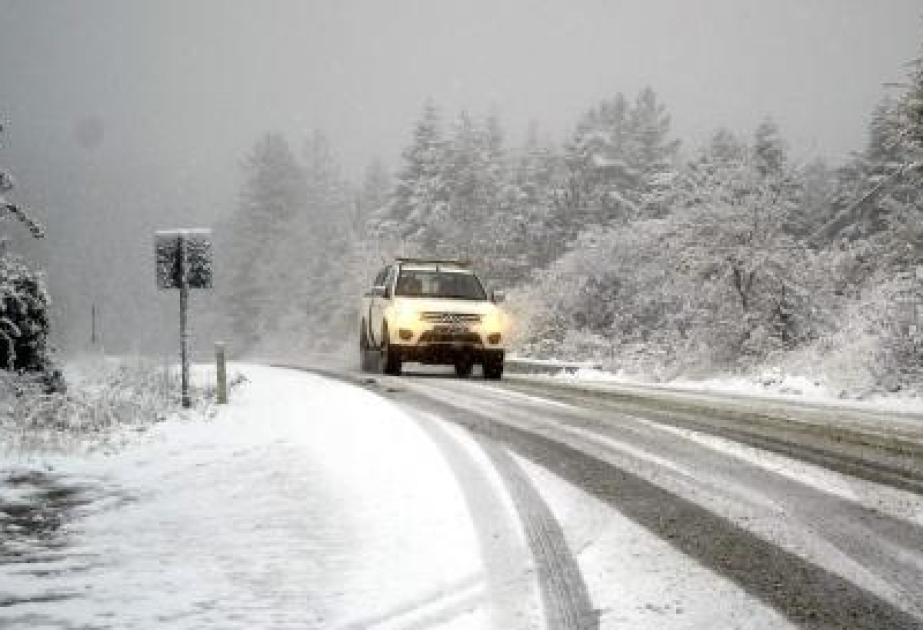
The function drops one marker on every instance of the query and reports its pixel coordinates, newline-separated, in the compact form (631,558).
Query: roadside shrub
(877,347)
(107,401)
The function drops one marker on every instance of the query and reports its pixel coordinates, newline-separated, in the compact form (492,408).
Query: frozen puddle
(306,503)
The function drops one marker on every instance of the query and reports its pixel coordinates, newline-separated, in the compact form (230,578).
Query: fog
(125,116)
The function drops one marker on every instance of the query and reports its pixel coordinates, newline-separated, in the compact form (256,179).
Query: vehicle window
(389,277)
(436,284)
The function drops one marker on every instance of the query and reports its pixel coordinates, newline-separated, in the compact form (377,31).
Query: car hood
(479,307)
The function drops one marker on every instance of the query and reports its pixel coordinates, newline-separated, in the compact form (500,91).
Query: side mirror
(379,291)
(497,297)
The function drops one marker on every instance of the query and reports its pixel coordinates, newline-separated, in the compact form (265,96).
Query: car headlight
(405,316)
(493,321)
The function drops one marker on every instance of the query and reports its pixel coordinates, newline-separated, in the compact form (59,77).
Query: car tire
(368,358)
(464,367)
(389,357)
(493,369)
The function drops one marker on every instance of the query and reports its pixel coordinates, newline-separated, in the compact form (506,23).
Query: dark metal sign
(169,258)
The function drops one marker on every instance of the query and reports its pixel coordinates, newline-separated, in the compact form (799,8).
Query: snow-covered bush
(24,302)
(875,346)
(716,285)
(23,318)
(106,398)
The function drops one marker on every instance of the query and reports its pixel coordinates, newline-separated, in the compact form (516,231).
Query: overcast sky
(193,79)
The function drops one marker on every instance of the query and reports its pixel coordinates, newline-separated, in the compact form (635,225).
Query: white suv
(435,312)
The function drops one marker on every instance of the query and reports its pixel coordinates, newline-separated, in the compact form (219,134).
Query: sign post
(184,261)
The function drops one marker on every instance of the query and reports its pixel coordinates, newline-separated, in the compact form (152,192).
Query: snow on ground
(305,503)
(896,503)
(638,580)
(771,385)
(309,503)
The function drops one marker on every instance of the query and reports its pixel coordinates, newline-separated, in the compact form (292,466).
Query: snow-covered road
(353,502)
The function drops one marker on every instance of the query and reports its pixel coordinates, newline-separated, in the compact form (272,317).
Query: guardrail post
(221,365)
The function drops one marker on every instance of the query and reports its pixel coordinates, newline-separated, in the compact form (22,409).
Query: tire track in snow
(565,596)
(890,459)
(508,590)
(807,594)
(885,546)
(799,588)
(565,599)
(427,610)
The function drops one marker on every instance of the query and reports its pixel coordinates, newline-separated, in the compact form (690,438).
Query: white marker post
(184,261)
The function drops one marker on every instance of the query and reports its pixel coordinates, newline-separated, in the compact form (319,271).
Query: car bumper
(447,353)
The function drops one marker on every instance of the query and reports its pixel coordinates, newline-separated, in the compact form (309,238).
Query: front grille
(450,337)
(451,318)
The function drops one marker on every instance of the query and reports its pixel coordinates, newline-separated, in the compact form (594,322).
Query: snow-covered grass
(105,398)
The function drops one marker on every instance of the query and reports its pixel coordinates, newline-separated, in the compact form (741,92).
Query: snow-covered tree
(474,225)
(598,168)
(653,153)
(770,153)
(877,182)
(24,302)
(421,194)
(737,223)
(373,195)
(274,191)
(912,114)
(621,159)
(294,249)
(322,249)
(534,210)
(452,196)
(717,280)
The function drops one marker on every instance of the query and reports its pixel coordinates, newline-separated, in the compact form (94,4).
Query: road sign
(183,260)
(198,264)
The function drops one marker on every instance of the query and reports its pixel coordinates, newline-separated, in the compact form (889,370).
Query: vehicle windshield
(439,284)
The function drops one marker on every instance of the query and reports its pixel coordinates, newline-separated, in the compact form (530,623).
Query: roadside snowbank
(770,384)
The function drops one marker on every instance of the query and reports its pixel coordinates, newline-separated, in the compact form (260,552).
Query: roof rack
(432,261)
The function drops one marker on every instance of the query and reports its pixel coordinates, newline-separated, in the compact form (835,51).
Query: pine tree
(725,148)
(421,194)
(769,150)
(534,202)
(912,109)
(374,193)
(474,174)
(621,161)
(315,261)
(652,153)
(274,192)
(597,167)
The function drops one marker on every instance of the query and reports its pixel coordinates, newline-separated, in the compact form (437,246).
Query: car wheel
(367,358)
(390,357)
(493,370)
(464,367)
